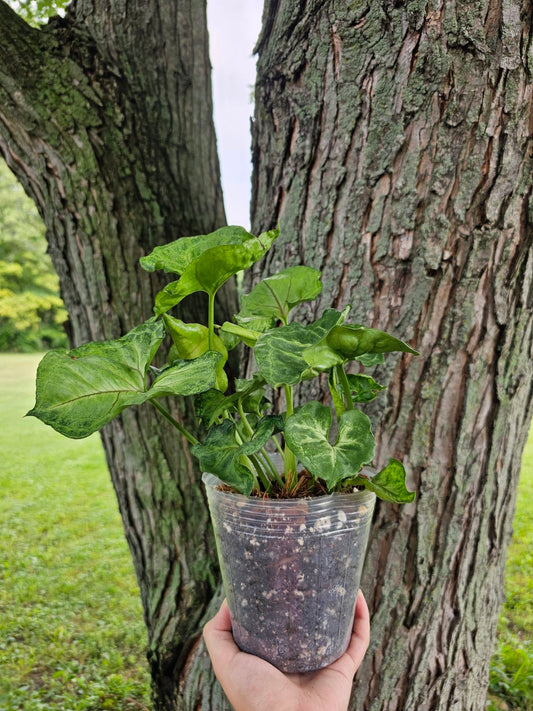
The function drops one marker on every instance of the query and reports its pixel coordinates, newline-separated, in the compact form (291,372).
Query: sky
(233,30)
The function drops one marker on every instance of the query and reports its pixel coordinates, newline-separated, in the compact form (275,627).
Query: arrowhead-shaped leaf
(280,352)
(80,391)
(187,377)
(389,483)
(219,454)
(307,433)
(273,298)
(351,342)
(177,255)
(213,267)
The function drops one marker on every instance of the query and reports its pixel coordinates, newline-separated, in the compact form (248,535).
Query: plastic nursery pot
(291,570)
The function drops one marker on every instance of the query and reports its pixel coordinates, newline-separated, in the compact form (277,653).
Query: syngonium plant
(80,391)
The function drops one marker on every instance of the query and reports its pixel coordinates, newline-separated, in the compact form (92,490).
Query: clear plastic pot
(291,570)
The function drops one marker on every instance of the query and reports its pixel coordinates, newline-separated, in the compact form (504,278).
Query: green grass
(511,676)
(71,630)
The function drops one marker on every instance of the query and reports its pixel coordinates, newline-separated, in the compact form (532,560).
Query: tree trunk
(392,140)
(106,119)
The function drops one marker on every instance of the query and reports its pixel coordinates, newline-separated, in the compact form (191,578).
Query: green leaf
(266,427)
(213,267)
(320,357)
(192,340)
(389,483)
(219,455)
(255,402)
(273,298)
(351,341)
(370,359)
(246,335)
(178,255)
(80,391)
(230,340)
(363,387)
(280,352)
(307,434)
(188,377)
(222,455)
(209,405)
(174,293)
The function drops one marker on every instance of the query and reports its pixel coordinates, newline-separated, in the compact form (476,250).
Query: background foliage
(37,11)
(31,310)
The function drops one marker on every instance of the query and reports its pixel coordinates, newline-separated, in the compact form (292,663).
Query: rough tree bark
(393,140)
(106,119)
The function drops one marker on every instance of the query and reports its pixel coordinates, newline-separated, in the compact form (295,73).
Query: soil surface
(306,486)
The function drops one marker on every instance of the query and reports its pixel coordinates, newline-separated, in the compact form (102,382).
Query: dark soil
(306,486)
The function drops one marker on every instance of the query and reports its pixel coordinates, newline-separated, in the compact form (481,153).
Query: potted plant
(290,493)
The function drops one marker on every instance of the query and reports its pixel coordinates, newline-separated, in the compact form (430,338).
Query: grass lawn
(511,679)
(71,630)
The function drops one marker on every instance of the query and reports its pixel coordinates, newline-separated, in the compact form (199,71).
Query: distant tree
(31,310)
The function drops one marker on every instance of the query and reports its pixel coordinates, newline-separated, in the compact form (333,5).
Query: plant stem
(289,459)
(291,477)
(345,386)
(247,428)
(211,322)
(264,478)
(252,466)
(188,436)
(288,398)
(278,446)
(271,465)
(252,461)
(268,462)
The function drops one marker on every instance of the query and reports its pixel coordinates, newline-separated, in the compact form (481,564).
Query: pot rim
(360,497)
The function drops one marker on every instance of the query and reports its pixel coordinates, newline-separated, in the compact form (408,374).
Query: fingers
(219,639)
(351,660)
(361,632)
(222,620)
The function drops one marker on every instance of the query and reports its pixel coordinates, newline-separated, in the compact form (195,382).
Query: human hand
(252,684)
